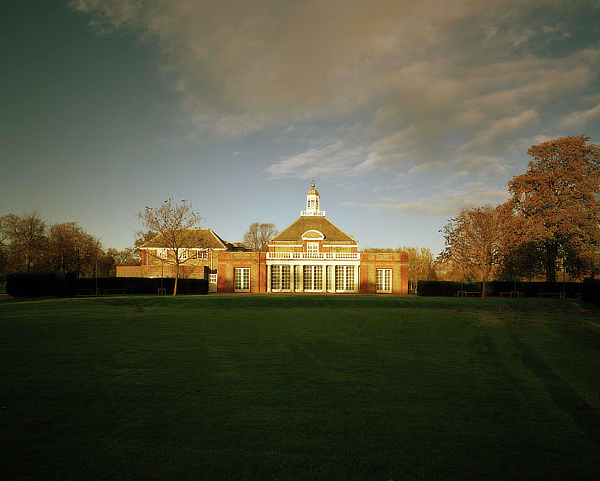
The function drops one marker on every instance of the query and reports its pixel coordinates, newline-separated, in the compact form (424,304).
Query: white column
(301,278)
(268,277)
(356,277)
(324,278)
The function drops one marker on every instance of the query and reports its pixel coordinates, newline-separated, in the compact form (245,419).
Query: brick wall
(370,262)
(255,261)
(185,272)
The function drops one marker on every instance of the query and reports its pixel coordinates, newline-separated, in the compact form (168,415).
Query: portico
(312,254)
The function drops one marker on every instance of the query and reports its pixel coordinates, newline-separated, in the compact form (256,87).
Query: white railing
(312,212)
(319,255)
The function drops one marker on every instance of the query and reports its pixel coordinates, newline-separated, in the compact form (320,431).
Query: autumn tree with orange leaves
(474,239)
(553,208)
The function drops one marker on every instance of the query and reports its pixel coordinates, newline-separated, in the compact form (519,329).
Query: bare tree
(171,222)
(474,239)
(26,236)
(258,235)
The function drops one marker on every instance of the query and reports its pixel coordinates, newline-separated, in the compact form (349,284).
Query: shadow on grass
(564,398)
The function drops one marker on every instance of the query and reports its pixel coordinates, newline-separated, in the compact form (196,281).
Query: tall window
(285,278)
(313,278)
(241,279)
(344,278)
(384,280)
(280,278)
(161,253)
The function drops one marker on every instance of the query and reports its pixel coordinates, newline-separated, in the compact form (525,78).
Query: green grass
(299,387)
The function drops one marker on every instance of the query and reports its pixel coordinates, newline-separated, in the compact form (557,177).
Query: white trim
(321,236)
(325,256)
(243,287)
(386,282)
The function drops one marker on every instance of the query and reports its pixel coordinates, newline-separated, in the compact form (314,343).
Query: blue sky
(402,111)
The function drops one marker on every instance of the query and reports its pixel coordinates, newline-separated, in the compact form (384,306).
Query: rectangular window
(313,278)
(280,278)
(241,279)
(285,278)
(312,249)
(275,278)
(329,278)
(183,254)
(318,278)
(384,280)
(307,274)
(349,278)
(339,278)
(344,278)
(161,253)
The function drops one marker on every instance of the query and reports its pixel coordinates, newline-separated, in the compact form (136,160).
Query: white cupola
(312,202)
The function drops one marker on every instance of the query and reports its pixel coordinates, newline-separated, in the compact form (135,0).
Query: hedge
(590,291)
(493,288)
(144,285)
(41,284)
(49,284)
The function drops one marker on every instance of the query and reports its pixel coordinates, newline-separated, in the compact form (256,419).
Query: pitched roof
(294,231)
(194,238)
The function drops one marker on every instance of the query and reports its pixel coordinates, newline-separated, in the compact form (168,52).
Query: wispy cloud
(447,203)
(332,160)
(579,119)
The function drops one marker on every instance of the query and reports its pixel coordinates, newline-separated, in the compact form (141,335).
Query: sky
(403,112)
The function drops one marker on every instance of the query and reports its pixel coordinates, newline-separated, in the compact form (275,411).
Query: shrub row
(40,284)
(143,285)
(493,288)
(590,291)
(35,285)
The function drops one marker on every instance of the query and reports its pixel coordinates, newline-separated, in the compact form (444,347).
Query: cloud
(578,119)
(447,203)
(332,160)
(392,85)
(501,130)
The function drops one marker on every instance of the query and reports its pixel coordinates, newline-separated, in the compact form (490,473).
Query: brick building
(312,254)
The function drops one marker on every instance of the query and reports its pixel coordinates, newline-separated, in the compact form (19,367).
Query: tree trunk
(176,278)
(484,281)
(551,256)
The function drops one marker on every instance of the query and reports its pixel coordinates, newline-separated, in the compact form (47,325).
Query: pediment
(313,234)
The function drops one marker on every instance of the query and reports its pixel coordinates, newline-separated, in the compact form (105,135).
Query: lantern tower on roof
(312,202)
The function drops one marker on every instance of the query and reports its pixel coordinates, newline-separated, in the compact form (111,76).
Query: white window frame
(312,249)
(383,281)
(241,279)
(281,278)
(344,280)
(312,278)
(161,253)
(183,255)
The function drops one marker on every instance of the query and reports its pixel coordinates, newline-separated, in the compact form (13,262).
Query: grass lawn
(299,387)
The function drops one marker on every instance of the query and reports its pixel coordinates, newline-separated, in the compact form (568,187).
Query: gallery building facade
(310,255)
